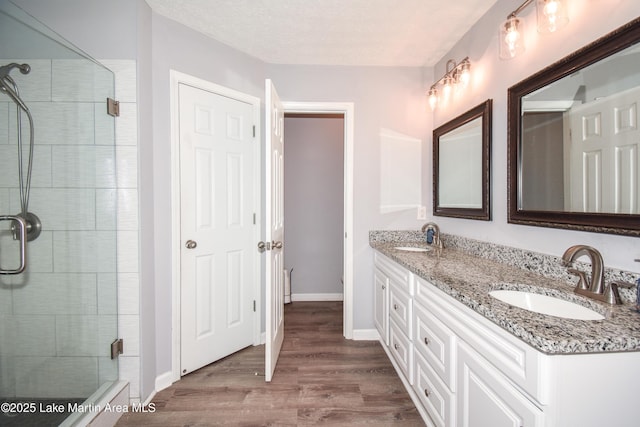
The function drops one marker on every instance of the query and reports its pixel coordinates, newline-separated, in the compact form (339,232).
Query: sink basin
(545,304)
(411,249)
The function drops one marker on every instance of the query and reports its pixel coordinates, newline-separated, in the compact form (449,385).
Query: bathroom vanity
(469,359)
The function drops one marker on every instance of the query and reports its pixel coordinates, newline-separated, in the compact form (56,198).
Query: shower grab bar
(22,230)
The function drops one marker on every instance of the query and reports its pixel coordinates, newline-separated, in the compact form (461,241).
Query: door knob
(276,245)
(190,244)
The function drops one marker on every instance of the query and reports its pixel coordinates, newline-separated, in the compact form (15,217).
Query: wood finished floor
(320,379)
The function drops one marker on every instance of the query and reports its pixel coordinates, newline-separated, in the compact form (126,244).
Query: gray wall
(313,203)
(383,97)
(179,48)
(491,78)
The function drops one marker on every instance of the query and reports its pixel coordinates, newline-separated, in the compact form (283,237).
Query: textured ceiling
(332,32)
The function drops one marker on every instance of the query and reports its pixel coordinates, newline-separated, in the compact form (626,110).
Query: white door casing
(274,220)
(347,109)
(215,196)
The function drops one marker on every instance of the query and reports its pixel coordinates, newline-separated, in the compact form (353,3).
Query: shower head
(6,69)
(9,86)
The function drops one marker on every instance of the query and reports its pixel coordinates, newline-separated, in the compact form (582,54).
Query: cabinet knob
(426,340)
(426,392)
(384,287)
(395,306)
(395,346)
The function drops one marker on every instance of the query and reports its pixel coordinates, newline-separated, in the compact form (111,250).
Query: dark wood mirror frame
(624,224)
(484,112)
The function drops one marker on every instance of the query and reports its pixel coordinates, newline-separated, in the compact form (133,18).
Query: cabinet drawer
(397,275)
(433,393)
(436,343)
(400,309)
(402,350)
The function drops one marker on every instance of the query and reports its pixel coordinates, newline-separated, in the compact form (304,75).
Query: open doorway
(314,206)
(346,110)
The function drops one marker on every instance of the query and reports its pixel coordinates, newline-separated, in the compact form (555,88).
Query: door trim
(346,108)
(176,78)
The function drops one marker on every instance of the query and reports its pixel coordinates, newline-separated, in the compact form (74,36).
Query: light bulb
(511,40)
(550,10)
(551,15)
(465,74)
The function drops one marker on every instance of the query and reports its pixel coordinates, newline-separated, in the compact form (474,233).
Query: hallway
(321,378)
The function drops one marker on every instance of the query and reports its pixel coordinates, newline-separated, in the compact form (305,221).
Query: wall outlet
(422,212)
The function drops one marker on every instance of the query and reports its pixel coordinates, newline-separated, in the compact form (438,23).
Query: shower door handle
(18,221)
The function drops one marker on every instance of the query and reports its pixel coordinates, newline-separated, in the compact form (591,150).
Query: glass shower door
(58,317)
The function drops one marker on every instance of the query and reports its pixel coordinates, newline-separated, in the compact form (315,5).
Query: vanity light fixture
(551,16)
(456,76)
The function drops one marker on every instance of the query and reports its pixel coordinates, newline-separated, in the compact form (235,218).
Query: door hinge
(113,107)
(254,131)
(117,348)
(254,306)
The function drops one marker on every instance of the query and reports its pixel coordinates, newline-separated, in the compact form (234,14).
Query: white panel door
(274,220)
(217,227)
(605,152)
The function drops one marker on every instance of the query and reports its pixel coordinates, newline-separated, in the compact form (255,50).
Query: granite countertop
(469,279)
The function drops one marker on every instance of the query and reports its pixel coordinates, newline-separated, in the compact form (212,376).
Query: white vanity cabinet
(393,311)
(462,370)
(477,364)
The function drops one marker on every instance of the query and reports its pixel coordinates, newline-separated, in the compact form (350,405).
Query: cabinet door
(381,295)
(486,398)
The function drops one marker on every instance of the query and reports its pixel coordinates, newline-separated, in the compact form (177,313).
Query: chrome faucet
(437,242)
(593,287)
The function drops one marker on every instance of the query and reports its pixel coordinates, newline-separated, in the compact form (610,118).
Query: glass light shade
(464,74)
(511,38)
(433,98)
(552,15)
(447,87)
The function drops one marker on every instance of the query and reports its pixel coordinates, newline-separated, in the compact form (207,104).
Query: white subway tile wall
(59,319)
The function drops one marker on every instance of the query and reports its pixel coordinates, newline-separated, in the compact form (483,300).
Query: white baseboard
(150,398)
(317,297)
(164,380)
(366,335)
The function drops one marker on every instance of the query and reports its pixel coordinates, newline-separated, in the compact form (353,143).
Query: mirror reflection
(573,139)
(580,140)
(461,158)
(460,177)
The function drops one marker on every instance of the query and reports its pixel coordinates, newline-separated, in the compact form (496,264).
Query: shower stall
(58,301)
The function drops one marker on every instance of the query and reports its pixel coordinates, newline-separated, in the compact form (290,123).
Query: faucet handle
(583,282)
(611,294)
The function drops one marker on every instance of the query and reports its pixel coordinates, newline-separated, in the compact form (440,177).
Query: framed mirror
(574,141)
(462,164)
